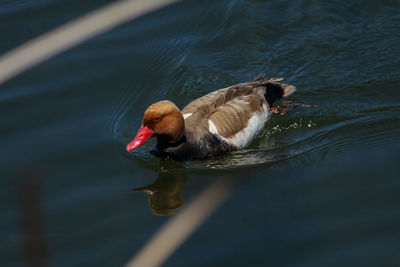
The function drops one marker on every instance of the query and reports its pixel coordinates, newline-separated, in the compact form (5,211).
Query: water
(321,182)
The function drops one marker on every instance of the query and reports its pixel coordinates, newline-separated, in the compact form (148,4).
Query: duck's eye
(157,119)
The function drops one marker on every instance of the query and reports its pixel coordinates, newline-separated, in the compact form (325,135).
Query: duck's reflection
(165,194)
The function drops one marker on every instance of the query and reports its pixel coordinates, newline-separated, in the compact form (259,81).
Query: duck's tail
(275,90)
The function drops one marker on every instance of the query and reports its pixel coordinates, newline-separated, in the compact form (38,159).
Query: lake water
(321,183)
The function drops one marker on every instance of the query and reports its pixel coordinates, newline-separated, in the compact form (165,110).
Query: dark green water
(322,183)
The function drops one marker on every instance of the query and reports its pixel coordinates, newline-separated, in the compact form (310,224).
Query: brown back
(229,109)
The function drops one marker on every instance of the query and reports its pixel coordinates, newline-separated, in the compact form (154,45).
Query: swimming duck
(221,121)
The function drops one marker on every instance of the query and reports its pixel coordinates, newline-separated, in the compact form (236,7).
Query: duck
(219,122)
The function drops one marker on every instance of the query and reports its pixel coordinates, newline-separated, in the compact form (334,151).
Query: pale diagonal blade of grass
(180,227)
(73,33)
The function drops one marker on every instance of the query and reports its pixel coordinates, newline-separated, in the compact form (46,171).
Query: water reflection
(165,194)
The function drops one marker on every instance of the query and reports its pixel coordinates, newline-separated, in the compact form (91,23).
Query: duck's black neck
(163,143)
(166,149)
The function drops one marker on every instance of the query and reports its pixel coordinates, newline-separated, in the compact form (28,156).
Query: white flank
(247,134)
(186,115)
(212,128)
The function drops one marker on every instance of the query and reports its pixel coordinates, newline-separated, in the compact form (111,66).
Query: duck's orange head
(163,120)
